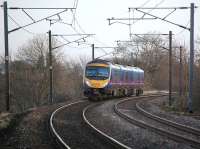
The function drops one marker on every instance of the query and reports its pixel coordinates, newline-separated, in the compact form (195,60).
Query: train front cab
(96,79)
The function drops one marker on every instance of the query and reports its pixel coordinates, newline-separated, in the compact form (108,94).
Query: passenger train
(104,79)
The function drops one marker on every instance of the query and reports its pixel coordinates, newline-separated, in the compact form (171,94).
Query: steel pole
(7,80)
(170,68)
(191,58)
(50,70)
(180,73)
(92,51)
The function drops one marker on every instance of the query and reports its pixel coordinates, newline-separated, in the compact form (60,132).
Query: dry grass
(5,120)
(179,105)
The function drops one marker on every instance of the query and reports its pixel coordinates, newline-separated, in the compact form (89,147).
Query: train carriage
(103,78)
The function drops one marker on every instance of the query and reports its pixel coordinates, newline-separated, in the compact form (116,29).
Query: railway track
(112,129)
(59,140)
(69,127)
(157,124)
(110,139)
(167,122)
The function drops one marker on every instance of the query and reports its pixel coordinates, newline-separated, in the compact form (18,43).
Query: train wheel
(112,93)
(137,92)
(141,91)
(115,93)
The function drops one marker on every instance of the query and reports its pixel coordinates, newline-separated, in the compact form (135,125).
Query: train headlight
(88,83)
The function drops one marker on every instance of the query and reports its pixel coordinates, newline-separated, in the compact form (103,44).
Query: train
(103,79)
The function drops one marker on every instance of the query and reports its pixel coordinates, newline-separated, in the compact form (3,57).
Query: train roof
(100,61)
(116,66)
(128,68)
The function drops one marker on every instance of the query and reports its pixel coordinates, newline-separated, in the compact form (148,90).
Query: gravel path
(32,130)
(129,109)
(105,119)
(154,108)
(70,126)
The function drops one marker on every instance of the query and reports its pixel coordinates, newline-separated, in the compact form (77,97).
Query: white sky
(92,17)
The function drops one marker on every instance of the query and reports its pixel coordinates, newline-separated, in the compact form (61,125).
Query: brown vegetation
(147,52)
(29,72)
(29,77)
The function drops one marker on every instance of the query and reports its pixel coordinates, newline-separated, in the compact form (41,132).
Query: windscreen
(97,73)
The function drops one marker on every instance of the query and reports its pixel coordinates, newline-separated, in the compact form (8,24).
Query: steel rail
(55,134)
(176,125)
(162,132)
(59,139)
(109,138)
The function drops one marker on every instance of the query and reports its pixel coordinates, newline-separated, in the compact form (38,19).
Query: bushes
(29,77)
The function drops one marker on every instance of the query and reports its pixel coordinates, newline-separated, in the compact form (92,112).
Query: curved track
(69,127)
(182,127)
(163,127)
(109,138)
(100,126)
(54,133)
(72,129)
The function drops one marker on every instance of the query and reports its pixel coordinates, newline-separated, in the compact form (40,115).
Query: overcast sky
(91,17)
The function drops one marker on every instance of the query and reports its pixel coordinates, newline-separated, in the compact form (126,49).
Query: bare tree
(74,72)
(197,76)
(146,52)
(2,87)
(197,56)
(30,74)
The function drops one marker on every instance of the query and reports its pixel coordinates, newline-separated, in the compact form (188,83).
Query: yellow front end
(96,83)
(96,79)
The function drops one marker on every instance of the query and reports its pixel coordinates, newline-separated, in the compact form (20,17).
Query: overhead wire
(38,20)
(71,46)
(95,38)
(155,6)
(70,42)
(113,52)
(75,30)
(75,5)
(18,25)
(23,27)
(85,32)
(158,4)
(130,29)
(146,2)
(183,29)
(164,19)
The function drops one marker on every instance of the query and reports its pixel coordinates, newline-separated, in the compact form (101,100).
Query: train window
(142,76)
(112,75)
(93,72)
(118,75)
(134,76)
(122,75)
(130,75)
(138,79)
(126,76)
